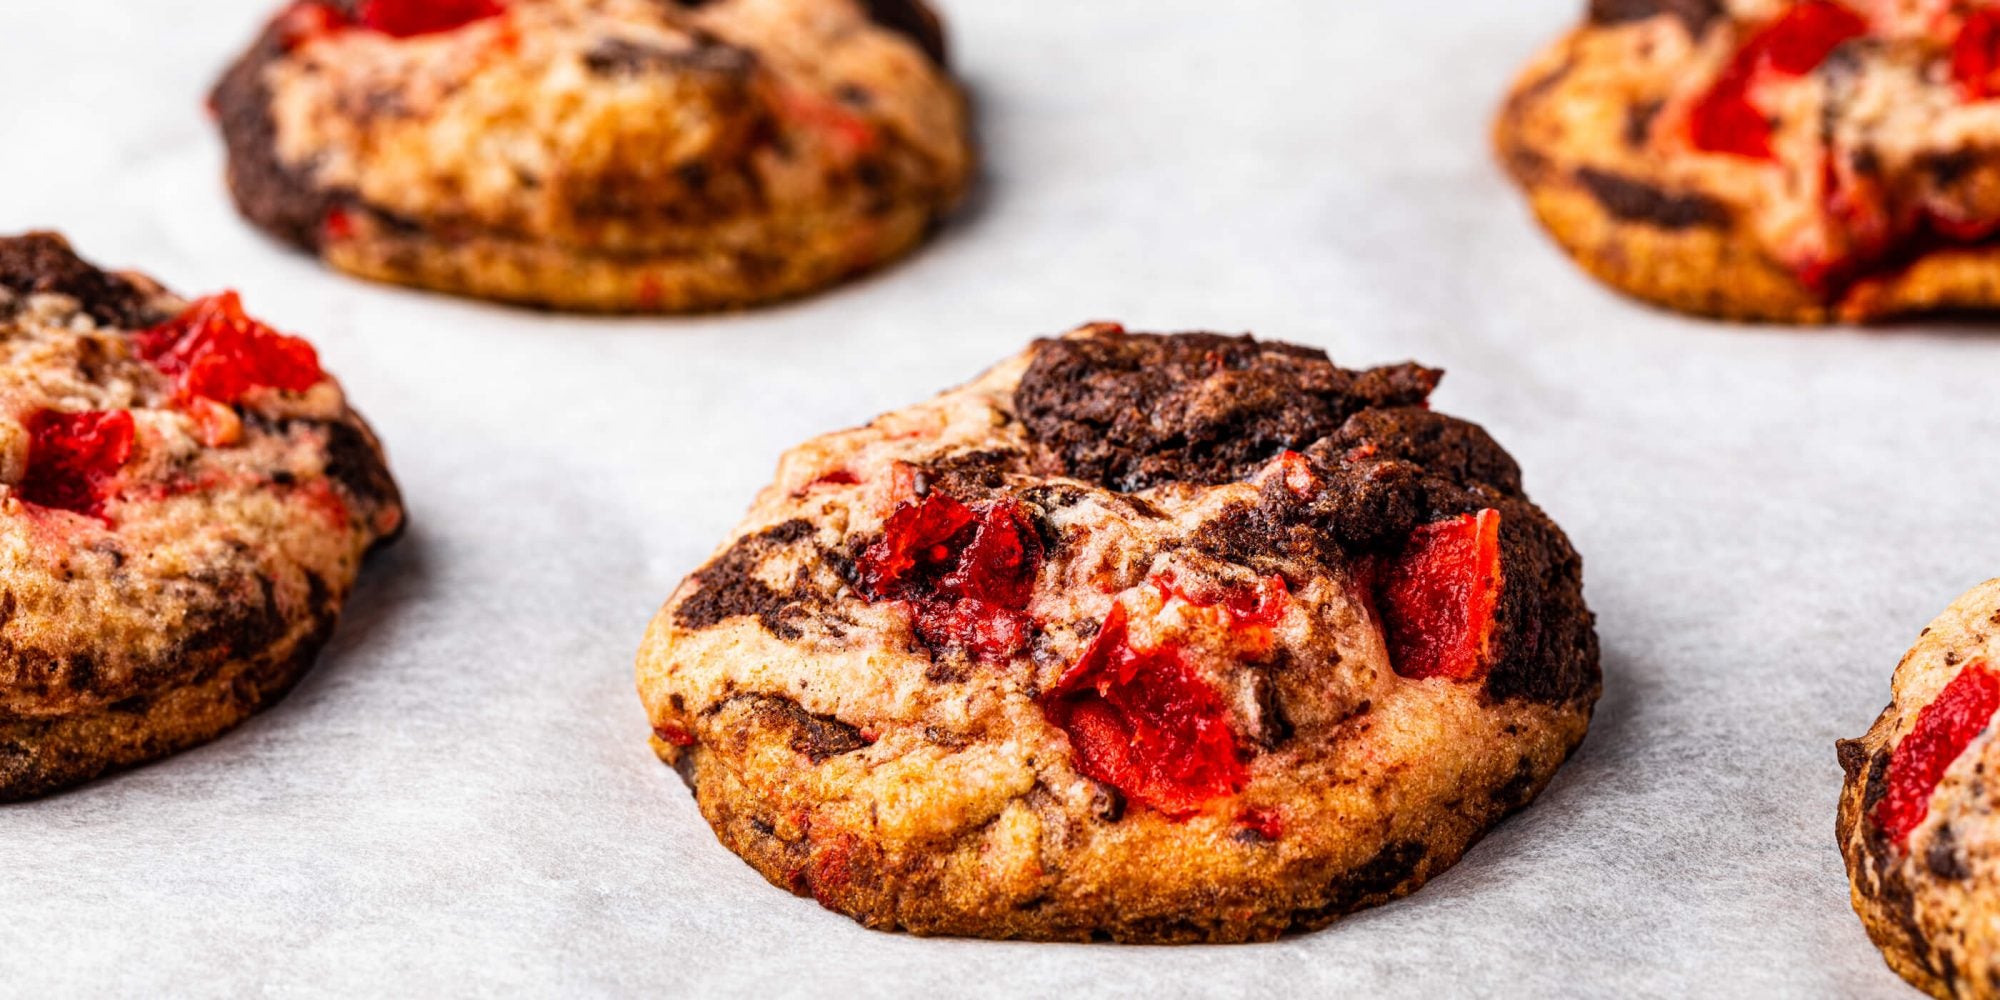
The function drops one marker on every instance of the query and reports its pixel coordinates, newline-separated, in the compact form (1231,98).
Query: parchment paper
(460,799)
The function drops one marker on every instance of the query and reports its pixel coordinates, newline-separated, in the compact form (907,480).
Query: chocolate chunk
(1636,201)
(354,462)
(1444,446)
(1372,880)
(1696,14)
(915,19)
(728,587)
(708,54)
(1130,411)
(281,200)
(1519,788)
(1639,120)
(1942,856)
(43,262)
(1877,787)
(974,473)
(818,737)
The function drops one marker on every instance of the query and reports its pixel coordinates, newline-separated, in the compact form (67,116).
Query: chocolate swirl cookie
(610,155)
(1149,638)
(1787,160)
(185,501)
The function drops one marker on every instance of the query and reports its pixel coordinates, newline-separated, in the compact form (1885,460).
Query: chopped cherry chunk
(213,350)
(406,18)
(308,21)
(969,574)
(1944,728)
(917,535)
(1265,824)
(1725,120)
(1975,55)
(1439,596)
(1145,723)
(72,458)
(675,734)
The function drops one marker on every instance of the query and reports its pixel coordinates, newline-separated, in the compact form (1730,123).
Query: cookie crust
(919,778)
(1927,894)
(1595,132)
(634,156)
(204,584)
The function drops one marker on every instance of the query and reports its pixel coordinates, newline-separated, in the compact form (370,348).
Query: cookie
(185,499)
(1799,162)
(1917,823)
(598,155)
(1138,637)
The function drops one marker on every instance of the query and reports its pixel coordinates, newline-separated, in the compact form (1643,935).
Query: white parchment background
(460,800)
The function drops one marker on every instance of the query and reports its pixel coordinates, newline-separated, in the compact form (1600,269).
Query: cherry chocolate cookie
(1920,815)
(185,499)
(1804,162)
(1138,637)
(600,155)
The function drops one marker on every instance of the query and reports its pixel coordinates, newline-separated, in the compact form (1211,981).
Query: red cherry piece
(1944,728)
(969,573)
(338,225)
(915,536)
(1975,55)
(1724,120)
(675,735)
(73,457)
(1439,597)
(998,566)
(1145,723)
(308,21)
(408,18)
(213,350)
(1267,824)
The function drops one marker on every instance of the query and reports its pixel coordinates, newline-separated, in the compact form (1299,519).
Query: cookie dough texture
(604,155)
(1872,149)
(217,569)
(849,753)
(1931,900)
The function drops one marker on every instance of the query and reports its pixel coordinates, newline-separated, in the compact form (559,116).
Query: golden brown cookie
(185,499)
(1770,159)
(607,155)
(1149,638)
(1918,823)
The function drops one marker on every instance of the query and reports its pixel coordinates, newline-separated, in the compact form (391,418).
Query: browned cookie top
(180,485)
(1129,596)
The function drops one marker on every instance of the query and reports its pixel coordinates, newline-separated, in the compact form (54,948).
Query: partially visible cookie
(1784,160)
(185,499)
(1139,637)
(1919,818)
(606,155)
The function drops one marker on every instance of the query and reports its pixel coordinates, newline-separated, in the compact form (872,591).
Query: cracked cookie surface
(1784,160)
(1140,637)
(1918,824)
(185,501)
(601,155)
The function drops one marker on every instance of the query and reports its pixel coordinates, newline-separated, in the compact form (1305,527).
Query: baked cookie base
(828,250)
(928,894)
(39,756)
